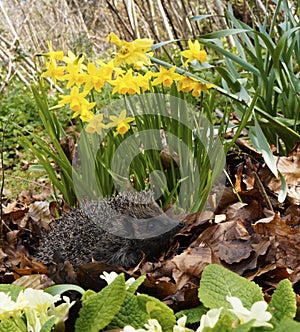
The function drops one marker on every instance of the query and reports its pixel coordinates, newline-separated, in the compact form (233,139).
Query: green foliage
(288,325)
(158,310)
(13,290)
(12,325)
(131,313)
(283,304)
(217,283)
(97,312)
(193,315)
(265,60)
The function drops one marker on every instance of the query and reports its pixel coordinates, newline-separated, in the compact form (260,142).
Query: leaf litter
(250,233)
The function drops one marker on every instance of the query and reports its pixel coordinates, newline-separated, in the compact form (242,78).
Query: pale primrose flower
(257,312)
(38,305)
(180,326)
(209,319)
(152,326)
(110,277)
(8,307)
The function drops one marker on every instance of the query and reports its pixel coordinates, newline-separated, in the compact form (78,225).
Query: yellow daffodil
(74,76)
(85,112)
(186,84)
(95,124)
(108,69)
(94,78)
(201,87)
(121,122)
(194,52)
(166,76)
(144,80)
(54,72)
(125,84)
(75,98)
(54,55)
(79,104)
(74,59)
(131,52)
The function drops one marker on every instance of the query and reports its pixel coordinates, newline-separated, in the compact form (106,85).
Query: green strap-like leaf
(47,327)
(99,309)
(218,282)
(59,289)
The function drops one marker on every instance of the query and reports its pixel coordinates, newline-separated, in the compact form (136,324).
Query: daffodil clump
(130,72)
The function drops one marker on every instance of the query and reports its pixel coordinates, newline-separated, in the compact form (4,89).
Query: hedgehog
(119,230)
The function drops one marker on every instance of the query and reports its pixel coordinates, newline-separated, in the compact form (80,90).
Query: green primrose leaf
(288,325)
(13,290)
(283,304)
(218,282)
(193,315)
(10,325)
(131,313)
(158,310)
(136,284)
(99,309)
(47,327)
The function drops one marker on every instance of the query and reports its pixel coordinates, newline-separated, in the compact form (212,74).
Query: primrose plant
(228,302)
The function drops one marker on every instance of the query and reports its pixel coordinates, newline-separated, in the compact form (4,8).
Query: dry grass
(27,25)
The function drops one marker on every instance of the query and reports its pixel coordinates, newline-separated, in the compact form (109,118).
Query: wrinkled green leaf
(10,325)
(218,282)
(131,313)
(288,325)
(99,309)
(158,310)
(283,303)
(137,283)
(193,315)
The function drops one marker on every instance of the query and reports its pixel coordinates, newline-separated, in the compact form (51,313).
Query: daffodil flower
(166,76)
(194,52)
(95,125)
(186,84)
(94,79)
(131,52)
(121,122)
(209,319)
(125,84)
(200,87)
(258,312)
(54,55)
(54,72)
